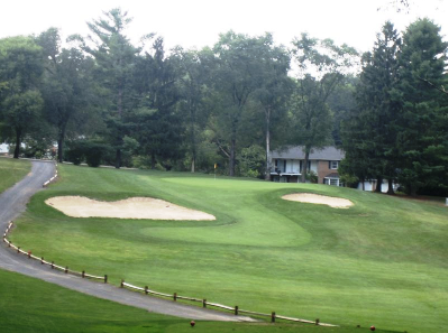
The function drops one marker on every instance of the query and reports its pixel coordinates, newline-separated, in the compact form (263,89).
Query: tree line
(105,100)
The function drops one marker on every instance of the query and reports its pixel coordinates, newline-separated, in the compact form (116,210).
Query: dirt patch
(318,199)
(132,208)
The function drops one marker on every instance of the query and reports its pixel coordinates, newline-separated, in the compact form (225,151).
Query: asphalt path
(13,203)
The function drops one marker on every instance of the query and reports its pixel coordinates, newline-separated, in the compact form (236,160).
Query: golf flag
(216,165)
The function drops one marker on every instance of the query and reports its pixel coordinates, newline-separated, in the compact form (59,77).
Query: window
(334,165)
(334,181)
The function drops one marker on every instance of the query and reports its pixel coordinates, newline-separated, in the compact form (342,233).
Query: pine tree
(423,132)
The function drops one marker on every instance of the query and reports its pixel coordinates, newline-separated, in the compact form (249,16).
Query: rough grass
(32,306)
(12,171)
(380,262)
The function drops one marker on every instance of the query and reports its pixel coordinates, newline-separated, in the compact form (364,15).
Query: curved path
(13,203)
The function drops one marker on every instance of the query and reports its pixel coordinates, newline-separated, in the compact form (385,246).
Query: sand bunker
(319,199)
(132,208)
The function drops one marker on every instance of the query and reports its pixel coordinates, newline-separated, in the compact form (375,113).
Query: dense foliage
(230,104)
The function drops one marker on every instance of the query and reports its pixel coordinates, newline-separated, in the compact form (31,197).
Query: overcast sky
(197,23)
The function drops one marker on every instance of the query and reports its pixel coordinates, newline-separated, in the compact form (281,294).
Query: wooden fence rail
(147,291)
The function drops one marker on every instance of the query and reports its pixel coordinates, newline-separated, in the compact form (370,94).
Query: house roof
(329,153)
(332,175)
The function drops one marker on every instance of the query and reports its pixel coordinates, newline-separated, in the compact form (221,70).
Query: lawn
(31,305)
(380,262)
(12,171)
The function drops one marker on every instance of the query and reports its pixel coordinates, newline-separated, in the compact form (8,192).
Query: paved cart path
(13,203)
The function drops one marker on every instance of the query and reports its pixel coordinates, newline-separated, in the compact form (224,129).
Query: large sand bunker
(319,199)
(132,208)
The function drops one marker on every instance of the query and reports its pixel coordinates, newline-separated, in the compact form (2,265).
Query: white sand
(319,199)
(132,208)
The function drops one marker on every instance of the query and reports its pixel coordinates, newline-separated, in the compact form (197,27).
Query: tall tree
(321,67)
(422,139)
(194,69)
(238,75)
(21,67)
(115,59)
(156,123)
(275,88)
(373,132)
(67,85)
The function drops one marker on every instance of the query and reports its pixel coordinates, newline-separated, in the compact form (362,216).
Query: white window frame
(328,180)
(334,165)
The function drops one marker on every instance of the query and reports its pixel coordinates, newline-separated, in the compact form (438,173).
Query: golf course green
(381,261)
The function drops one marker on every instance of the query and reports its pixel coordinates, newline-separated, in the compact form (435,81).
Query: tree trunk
(232,157)
(61,145)
(18,141)
(268,145)
(153,161)
(379,182)
(120,111)
(390,190)
(193,141)
(305,165)
(118,158)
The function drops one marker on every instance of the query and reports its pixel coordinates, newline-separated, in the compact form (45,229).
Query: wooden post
(317,321)
(273,317)
(52,264)
(204,303)
(9,244)
(122,284)
(66,269)
(29,254)
(105,278)
(175,297)
(42,260)
(83,274)
(236,310)
(18,249)
(146,290)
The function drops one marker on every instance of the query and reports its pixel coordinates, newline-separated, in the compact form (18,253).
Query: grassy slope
(31,305)
(12,171)
(382,261)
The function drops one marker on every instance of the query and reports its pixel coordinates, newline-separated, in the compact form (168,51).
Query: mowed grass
(31,305)
(381,262)
(12,171)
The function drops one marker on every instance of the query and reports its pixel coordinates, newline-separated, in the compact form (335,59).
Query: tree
(156,124)
(321,65)
(371,134)
(115,60)
(238,74)
(273,93)
(423,122)
(193,76)
(20,74)
(67,85)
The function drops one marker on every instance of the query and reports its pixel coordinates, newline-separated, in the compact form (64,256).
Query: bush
(74,153)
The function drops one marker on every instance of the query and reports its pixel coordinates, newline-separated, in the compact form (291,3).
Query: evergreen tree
(374,122)
(423,126)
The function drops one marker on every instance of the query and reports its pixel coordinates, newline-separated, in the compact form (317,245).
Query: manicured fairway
(380,262)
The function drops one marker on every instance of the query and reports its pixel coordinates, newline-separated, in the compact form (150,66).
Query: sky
(198,23)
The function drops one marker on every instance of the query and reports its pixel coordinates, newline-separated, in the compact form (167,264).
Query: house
(4,149)
(287,164)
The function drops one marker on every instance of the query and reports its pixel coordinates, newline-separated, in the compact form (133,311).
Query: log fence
(235,309)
